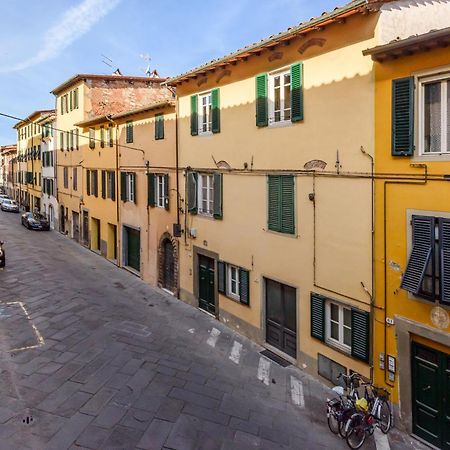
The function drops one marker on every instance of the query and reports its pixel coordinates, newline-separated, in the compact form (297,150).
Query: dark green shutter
(151,189)
(222,277)
(218,196)
(297,92)
(403,117)
(194,115)
(317,316)
(244,286)
(262,119)
(274,219)
(113,187)
(123,186)
(134,187)
(88,182)
(444,245)
(95,182)
(215,103)
(159,126)
(360,334)
(166,191)
(129,132)
(191,180)
(423,241)
(103,183)
(287,204)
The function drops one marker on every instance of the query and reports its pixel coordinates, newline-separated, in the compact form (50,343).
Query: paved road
(91,357)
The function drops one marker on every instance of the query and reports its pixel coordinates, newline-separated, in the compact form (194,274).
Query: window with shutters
(102,136)
(160,190)
(110,185)
(77,140)
(66,177)
(280,97)
(233,282)
(427,274)
(205,113)
(281,203)
(205,194)
(92,138)
(434,115)
(75,178)
(109,135)
(338,325)
(129,184)
(129,132)
(159,126)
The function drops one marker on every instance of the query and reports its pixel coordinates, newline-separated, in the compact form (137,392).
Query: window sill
(284,123)
(205,215)
(206,133)
(280,233)
(339,348)
(431,157)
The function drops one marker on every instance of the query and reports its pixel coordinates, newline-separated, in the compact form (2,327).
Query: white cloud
(72,25)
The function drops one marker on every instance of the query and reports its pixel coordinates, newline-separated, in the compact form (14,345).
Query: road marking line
(297,392)
(381,440)
(235,355)
(213,336)
(264,370)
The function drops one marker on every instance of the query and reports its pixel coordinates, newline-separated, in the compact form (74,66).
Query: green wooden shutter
(287,204)
(191,180)
(423,241)
(274,191)
(262,119)
(151,189)
(123,186)
(134,187)
(129,135)
(103,183)
(444,245)
(194,115)
(244,286)
(95,182)
(360,334)
(403,117)
(159,126)
(215,103)
(297,92)
(318,316)
(218,196)
(222,277)
(166,191)
(88,182)
(113,187)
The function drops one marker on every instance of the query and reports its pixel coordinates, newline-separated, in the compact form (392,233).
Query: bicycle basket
(362,405)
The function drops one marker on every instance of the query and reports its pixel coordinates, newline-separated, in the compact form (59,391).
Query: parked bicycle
(372,410)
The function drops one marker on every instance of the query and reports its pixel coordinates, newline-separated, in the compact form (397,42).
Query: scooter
(2,256)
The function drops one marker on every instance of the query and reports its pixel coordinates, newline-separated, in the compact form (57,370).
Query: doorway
(132,248)
(75,226)
(206,289)
(62,220)
(95,235)
(85,229)
(168,265)
(431,395)
(51,217)
(281,317)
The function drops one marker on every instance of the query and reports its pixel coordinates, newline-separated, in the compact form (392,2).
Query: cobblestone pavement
(91,357)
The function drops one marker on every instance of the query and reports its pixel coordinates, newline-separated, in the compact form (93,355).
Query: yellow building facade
(129,191)
(412,161)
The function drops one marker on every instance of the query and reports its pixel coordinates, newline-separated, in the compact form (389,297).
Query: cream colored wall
(153,222)
(338,117)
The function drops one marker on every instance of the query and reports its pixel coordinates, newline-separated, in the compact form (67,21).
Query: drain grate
(275,358)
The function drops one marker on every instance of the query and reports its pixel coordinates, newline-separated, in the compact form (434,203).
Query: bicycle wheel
(333,421)
(345,417)
(385,416)
(356,433)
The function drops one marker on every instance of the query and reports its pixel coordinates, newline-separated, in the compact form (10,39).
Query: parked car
(9,205)
(2,255)
(35,221)
(3,197)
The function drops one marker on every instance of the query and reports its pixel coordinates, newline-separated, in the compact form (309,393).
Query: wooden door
(206,284)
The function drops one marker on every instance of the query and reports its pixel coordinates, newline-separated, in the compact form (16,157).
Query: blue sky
(46,42)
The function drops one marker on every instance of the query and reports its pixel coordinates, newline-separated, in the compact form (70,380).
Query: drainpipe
(418,182)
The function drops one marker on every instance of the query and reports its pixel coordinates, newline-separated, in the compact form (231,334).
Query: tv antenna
(106,60)
(147,59)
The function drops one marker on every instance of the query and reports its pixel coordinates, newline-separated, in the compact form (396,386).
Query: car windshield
(8,202)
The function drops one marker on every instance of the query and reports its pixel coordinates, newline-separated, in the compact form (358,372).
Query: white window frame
(159,191)
(271,97)
(130,186)
(209,194)
(235,294)
(340,341)
(208,115)
(422,82)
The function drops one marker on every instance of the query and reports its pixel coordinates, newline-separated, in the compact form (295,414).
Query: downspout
(419,182)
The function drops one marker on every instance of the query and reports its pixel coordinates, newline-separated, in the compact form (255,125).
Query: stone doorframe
(404,329)
(174,242)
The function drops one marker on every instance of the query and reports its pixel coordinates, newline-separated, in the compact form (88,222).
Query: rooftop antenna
(146,57)
(109,62)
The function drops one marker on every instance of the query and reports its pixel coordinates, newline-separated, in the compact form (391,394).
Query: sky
(43,43)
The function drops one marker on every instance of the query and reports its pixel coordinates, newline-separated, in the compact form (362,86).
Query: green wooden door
(133,249)
(206,290)
(431,395)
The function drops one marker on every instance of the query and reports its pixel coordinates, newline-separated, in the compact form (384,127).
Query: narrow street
(91,357)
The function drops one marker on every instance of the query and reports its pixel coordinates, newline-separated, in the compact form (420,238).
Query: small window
(205,194)
(61,140)
(160,191)
(280,97)
(67,140)
(129,133)
(159,126)
(102,136)
(130,186)
(233,282)
(434,113)
(338,325)
(205,113)
(77,143)
(66,177)
(109,135)
(92,138)
(75,178)
(110,185)
(71,139)
(75,98)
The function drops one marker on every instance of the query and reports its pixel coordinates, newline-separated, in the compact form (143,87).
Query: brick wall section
(113,97)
